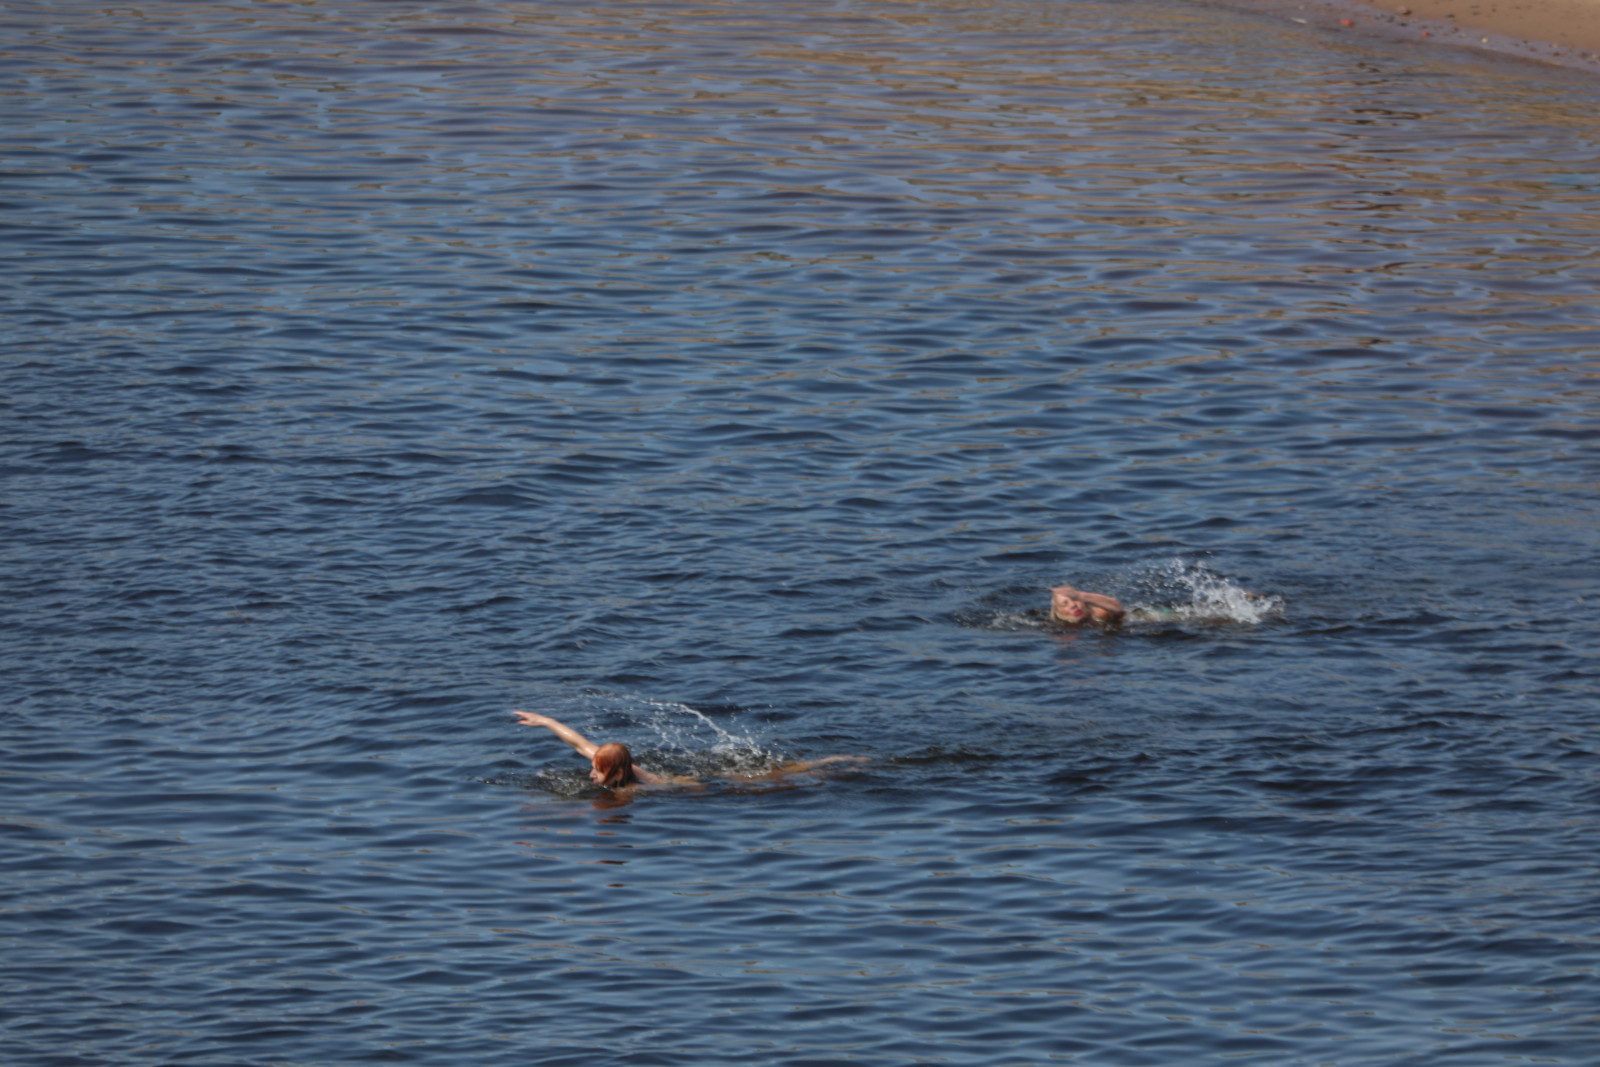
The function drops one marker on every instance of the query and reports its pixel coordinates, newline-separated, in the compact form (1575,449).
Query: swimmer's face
(1066,607)
(595,776)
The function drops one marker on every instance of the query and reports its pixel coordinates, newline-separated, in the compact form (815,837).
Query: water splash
(1184,591)
(692,738)
(665,736)
(1176,590)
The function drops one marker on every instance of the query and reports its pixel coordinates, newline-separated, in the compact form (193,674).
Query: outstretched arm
(572,737)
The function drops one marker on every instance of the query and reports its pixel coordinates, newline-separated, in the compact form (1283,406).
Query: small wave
(1006,619)
(561,783)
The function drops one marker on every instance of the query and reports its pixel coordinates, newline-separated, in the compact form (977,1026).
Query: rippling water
(734,380)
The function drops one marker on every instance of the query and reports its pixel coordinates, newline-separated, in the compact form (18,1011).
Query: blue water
(734,380)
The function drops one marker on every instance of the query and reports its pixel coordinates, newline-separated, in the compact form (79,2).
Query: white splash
(1192,592)
(689,735)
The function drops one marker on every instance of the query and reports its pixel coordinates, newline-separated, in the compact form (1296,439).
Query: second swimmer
(1074,607)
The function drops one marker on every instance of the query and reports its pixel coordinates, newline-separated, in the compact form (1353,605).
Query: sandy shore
(1564,32)
(1562,26)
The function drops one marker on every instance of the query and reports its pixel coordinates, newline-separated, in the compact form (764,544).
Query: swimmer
(612,766)
(1076,607)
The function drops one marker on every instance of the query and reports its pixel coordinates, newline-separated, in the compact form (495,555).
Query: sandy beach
(1563,32)
(1569,25)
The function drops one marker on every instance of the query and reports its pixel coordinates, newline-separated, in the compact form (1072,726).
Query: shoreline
(1564,33)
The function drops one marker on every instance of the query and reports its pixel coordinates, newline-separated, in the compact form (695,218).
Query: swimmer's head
(1065,606)
(613,765)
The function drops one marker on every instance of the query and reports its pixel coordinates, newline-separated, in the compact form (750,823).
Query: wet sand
(1563,32)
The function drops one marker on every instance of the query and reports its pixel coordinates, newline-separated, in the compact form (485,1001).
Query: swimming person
(612,766)
(1076,607)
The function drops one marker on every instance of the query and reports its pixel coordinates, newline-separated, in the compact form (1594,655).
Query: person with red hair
(611,765)
(1076,607)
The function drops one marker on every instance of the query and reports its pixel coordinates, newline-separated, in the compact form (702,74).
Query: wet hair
(615,764)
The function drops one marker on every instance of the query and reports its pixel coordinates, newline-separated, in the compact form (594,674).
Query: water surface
(734,383)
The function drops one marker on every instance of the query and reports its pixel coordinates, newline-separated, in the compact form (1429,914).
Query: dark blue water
(733,380)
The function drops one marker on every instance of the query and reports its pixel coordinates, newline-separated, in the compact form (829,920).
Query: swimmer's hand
(583,745)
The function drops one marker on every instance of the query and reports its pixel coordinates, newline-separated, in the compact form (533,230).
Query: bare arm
(1106,608)
(572,737)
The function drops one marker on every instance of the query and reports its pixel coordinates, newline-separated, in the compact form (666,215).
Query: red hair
(615,764)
